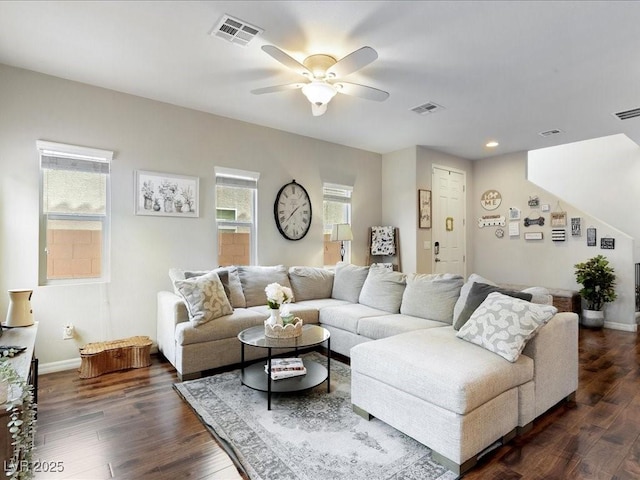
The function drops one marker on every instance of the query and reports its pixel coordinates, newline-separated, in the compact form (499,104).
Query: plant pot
(593,318)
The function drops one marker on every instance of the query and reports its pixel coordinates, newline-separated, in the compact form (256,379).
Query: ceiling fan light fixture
(319,93)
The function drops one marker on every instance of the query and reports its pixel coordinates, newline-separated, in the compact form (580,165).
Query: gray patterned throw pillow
(205,298)
(503,324)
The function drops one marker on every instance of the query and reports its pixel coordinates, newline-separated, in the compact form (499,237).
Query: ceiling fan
(323,72)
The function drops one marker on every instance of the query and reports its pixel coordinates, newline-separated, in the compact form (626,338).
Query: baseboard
(621,326)
(62,365)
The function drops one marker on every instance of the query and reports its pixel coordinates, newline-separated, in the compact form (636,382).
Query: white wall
(547,263)
(399,201)
(150,135)
(599,175)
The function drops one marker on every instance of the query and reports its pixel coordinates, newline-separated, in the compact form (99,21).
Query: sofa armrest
(171,312)
(554,351)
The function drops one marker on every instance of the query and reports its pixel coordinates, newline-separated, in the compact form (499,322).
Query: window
(236,201)
(74,213)
(336,209)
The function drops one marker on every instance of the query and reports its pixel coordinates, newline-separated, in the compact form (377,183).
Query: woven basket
(104,357)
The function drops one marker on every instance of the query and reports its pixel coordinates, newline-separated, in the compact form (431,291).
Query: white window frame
(75,152)
(232,177)
(334,192)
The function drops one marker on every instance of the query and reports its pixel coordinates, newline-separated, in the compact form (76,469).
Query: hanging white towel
(383,241)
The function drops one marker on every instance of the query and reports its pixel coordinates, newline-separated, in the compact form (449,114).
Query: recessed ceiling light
(492,144)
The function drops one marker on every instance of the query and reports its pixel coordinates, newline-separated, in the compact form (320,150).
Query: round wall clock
(292,211)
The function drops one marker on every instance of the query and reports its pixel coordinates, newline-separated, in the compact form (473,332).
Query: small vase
(275,318)
(20,313)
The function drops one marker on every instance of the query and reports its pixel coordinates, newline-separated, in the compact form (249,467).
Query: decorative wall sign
(424,208)
(533,236)
(534,221)
(165,194)
(534,201)
(591,237)
(514,213)
(558,235)
(607,243)
(491,221)
(491,199)
(576,226)
(558,219)
(545,207)
(499,232)
(514,229)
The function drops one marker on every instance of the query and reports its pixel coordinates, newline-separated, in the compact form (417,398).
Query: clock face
(292,211)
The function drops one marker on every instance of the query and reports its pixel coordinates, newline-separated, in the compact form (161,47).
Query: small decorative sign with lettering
(607,243)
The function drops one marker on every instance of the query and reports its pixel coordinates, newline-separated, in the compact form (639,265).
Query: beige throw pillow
(204,297)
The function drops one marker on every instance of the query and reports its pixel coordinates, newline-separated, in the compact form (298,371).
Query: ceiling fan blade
(278,88)
(352,62)
(362,91)
(286,60)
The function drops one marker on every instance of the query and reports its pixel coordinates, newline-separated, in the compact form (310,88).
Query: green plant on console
(22,422)
(598,282)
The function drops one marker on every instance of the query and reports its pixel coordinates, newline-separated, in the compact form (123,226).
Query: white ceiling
(502,70)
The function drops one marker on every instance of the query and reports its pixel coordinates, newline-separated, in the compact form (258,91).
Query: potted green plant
(598,282)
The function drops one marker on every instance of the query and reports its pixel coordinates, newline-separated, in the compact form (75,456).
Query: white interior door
(448,221)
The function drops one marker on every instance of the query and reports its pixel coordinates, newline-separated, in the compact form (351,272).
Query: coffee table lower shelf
(255,377)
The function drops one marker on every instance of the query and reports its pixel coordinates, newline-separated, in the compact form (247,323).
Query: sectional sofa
(459,366)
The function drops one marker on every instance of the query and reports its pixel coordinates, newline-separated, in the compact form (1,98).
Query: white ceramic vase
(275,318)
(19,313)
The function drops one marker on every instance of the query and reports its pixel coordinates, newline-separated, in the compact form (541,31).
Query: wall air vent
(235,31)
(428,107)
(627,114)
(551,133)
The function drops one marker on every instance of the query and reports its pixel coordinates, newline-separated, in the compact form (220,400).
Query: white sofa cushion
(223,328)
(436,366)
(310,283)
(383,289)
(431,296)
(348,282)
(503,324)
(346,317)
(205,297)
(254,280)
(393,324)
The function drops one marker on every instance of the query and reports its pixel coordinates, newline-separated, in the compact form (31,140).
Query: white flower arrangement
(277,295)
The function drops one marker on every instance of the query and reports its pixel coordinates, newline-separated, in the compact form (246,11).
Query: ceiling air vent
(626,115)
(550,133)
(235,31)
(428,107)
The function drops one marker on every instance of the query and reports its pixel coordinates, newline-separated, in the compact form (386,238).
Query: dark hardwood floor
(132,425)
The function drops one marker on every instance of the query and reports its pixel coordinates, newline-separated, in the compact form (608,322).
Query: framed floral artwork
(166,194)
(424,208)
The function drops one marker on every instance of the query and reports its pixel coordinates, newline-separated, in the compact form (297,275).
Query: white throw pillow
(503,324)
(204,297)
(383,289)
(348,282)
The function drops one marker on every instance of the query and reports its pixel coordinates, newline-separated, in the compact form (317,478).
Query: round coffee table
(254,375)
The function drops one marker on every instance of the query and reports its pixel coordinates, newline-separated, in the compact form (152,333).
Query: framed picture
(591,237)
(166,194)
(424,208)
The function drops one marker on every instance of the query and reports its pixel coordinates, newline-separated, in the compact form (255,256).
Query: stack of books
(285,368)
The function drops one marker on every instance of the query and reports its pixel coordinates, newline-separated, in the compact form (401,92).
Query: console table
(26,365)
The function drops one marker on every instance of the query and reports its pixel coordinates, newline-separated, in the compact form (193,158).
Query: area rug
(312,435)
